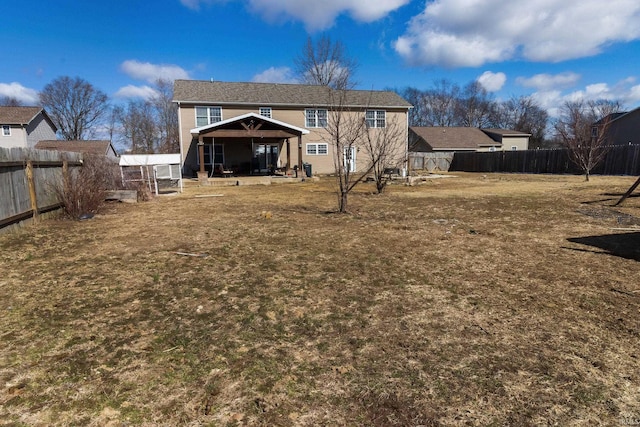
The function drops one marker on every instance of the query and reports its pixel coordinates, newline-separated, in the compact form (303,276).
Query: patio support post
(300,154)
(288,157)
(201,154)
(203,176)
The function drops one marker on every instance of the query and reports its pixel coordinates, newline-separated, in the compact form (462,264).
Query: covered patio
(246,145)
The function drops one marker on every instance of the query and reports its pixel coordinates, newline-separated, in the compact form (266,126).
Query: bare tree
(524,115)
(166,115)
(75,106)
(138,126)
(10,101)
(345,130)
(442,101)
(475,107)
(417,98)
(326,63)
(385,148)
(583,128)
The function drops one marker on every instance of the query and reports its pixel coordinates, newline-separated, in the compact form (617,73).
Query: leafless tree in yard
(75,106)
(326,63)
(345,131)
(385,148)
(583,128)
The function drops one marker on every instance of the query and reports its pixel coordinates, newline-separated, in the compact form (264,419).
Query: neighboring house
(24,126)
(622,128)
(258,128)
(434,138)
(99,147)
(510,140)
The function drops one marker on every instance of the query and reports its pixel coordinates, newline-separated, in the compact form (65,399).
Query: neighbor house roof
(453,138)
(18,115)
(101,147)
(278,94)
(505,132)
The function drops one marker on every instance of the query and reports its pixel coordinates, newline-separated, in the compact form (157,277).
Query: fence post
(32,189)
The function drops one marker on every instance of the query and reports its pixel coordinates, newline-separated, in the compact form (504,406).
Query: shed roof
(149,159)
(90,146)
(282,94)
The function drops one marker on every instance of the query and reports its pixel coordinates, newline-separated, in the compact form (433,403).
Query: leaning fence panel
(28,182)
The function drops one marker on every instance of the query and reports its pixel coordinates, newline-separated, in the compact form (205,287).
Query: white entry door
(350,159)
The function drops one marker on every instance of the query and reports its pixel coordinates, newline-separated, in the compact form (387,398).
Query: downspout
(180,135)
(406,170)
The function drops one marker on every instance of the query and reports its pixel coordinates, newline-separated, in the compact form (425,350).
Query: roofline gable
(199,130)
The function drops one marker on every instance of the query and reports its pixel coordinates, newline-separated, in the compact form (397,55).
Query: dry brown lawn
(470,300)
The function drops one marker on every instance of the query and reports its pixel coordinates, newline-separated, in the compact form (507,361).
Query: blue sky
(554,50)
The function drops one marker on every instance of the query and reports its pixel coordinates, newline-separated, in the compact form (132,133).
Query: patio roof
(250,124)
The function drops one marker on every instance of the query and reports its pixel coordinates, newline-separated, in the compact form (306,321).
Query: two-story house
(259,128)
(24,126)
(621,128)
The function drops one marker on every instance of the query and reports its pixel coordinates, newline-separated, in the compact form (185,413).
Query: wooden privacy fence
(430,161)
(619,160)
(28,182)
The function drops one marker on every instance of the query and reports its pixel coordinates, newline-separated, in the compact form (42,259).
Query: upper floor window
(207,115)
(6,130)
(316,118)
(376,118)
(265,111)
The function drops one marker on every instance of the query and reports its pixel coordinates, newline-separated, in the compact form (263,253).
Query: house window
(316,118)
(317,149)
(376,118)
(207,115)
(514,148)
(492,149)
(218,154)
(265,111)
(6,130)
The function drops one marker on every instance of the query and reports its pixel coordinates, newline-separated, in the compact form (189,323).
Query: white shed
(151,168)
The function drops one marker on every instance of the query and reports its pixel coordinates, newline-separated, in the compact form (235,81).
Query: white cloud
(195,4)
(491,81)
(152,72)
(316,15)
(463,33)
(624,91)
(131,91)
(23,94)
(549,81)
(275,75)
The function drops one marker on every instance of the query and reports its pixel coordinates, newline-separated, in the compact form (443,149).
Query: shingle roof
(91,146)
(272,94)
(450,138)
(506,132)
(18,115)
